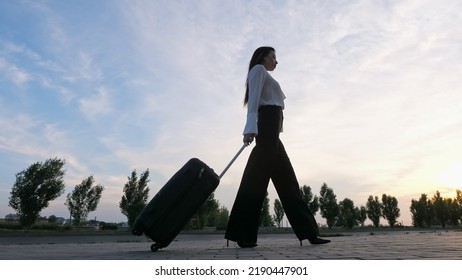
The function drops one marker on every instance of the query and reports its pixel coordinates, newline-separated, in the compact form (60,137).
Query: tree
(417,209)
(207,214)
(35,187)
(265,217)
(422,211)
(83,199)
(278,212)
(222,218)
(347,214)
(390,210)
(136,193)
(454,211)
(328,205)
(459,200)
(361,215)
(430,213)
(52,219)
(441,209)
(311,200)
(374,210)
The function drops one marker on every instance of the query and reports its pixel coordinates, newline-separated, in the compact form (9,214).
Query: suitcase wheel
(155,247)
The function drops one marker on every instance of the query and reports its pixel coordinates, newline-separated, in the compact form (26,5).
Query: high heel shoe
(318,241)
(247,244)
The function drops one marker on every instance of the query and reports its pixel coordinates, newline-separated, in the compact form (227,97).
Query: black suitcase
(178,200)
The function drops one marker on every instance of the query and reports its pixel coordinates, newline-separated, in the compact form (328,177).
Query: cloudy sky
(373,92)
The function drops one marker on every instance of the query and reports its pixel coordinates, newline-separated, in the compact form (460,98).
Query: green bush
(44,227)
(65,228)
(109,227)
(10,225)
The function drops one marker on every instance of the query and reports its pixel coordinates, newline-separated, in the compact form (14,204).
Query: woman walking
(268,160)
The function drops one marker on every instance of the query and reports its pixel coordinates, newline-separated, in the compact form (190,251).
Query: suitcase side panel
(168,196)
(184,210)
(173,206)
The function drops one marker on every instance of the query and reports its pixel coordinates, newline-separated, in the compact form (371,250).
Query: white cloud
(84,69)
(97,104)
(14,73)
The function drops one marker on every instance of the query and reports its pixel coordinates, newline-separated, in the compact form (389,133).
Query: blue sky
(373,92)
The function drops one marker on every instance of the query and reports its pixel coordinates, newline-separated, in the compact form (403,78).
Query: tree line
(43,182)
(439,210)
(425,211)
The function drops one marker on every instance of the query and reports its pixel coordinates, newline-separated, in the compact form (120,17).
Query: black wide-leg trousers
(269,160)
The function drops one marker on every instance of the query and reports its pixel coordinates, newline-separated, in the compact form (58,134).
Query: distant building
(123,227)
(60,221)
(12,218)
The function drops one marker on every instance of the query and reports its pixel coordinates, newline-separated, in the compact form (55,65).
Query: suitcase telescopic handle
(234,158)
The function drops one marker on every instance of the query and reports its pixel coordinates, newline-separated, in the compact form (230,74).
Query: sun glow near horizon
(450,176)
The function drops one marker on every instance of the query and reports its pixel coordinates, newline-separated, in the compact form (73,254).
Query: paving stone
(413,245)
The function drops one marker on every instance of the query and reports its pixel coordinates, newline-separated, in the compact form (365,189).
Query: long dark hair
(257,58)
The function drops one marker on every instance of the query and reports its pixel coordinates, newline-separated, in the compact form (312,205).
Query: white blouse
(263,90)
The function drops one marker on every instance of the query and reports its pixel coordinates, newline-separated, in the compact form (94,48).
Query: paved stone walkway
(402,245)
